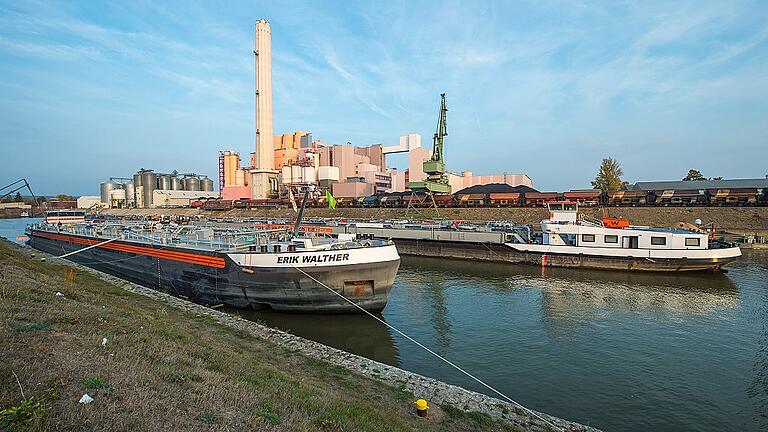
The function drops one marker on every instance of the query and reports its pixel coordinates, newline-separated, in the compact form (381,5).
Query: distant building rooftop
(760,183)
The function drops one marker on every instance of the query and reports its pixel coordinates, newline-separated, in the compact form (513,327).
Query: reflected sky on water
(621,351)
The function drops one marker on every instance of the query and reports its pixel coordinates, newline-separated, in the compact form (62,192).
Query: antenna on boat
(300,216)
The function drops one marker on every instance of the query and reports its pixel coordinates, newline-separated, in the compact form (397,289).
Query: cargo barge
(233,267)
(566,239)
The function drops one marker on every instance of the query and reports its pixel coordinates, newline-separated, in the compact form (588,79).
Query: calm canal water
(619,351)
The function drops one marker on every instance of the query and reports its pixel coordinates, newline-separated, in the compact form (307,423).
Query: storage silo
(296,174)
(206,184)
(136,188)
(130,194)
(191,183)
(149,184)
(176,183)
(285,173)
(105,188)
(164,182)
(309,174)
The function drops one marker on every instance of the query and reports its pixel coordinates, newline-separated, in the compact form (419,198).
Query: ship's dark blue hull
(226,283)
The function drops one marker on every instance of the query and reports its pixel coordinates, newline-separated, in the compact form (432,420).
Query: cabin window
(658,241)
(611,239)
(692,241)
(588,238)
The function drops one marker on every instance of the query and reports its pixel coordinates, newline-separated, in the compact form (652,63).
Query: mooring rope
(420,345)
(86,248)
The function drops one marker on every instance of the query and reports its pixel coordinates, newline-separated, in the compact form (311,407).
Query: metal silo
(206,184)
(191,184)
(164,182)
(176,183)
(149,184)
(130,194)
(105,188)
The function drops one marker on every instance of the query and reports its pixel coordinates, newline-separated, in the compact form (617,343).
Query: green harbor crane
(436,181)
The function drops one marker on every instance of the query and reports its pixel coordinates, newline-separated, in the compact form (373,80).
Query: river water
(619,351)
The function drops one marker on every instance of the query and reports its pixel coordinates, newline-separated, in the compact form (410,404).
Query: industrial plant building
(148,189)
(280,161)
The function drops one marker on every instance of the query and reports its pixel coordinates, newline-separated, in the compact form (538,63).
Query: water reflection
(572,291)
(439,316)
(358,334)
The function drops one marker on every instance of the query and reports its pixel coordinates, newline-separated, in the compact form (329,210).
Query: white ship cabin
(64,216)
(565,227)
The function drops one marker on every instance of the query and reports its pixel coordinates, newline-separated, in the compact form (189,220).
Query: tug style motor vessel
(571,240)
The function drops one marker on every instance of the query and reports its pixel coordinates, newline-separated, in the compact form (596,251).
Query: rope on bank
(420,345)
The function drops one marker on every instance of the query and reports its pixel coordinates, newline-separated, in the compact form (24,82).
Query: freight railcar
(540,199)
(626,198)
(445,201)
(736,197)
(217,204)
(511,199)
(584,198)
(681,197)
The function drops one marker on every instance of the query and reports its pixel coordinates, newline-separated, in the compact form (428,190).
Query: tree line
(609,174)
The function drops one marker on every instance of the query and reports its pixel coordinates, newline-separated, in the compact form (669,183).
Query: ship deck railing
(217,239)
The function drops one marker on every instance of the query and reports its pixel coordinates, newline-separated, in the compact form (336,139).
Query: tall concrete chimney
(264,174)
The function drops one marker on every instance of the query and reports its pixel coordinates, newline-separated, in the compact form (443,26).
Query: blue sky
(97,89)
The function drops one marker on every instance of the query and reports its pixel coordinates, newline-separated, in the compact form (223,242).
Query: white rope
(86,248)
(419,344)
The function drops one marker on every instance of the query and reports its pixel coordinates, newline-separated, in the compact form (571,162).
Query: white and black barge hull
(242,280)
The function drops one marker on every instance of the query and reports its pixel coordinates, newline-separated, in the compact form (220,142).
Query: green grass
(207,417)
(28,415)
(65,319)
(95,383)
(34,327)
(269,416)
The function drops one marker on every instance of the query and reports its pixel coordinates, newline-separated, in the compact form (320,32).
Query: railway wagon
(584,198)
(371,201)
(511,199)
(735,197)
(444,201)
(627,198)
(218,204)
(471,200)
(681,197)
(393,200)
(540,199)
(415,200)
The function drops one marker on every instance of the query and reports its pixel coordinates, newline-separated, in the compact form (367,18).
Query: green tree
(609,176)
(64,197)
(18,197)
(717,178)
(694,175)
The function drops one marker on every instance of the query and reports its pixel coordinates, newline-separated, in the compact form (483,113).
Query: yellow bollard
(421,408)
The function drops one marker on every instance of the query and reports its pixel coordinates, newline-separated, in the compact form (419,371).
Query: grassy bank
(165,369)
